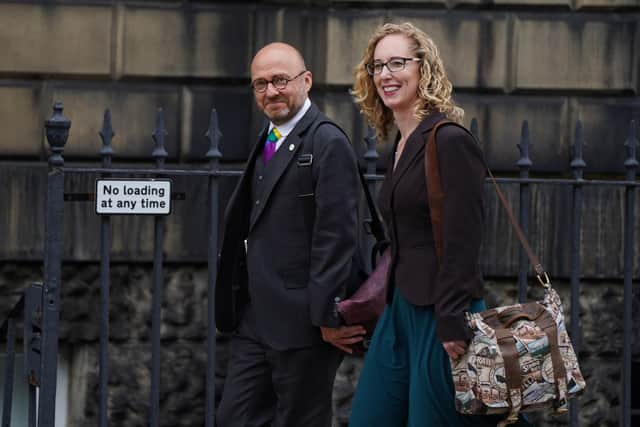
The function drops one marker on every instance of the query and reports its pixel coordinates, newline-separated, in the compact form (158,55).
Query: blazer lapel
(414,145)
(282,160)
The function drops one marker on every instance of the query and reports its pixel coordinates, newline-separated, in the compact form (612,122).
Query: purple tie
(270,145)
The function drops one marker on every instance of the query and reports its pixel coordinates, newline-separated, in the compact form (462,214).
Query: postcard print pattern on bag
(480,377)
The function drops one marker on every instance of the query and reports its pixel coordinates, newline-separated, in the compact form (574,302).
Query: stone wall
(551,62)
(183,336)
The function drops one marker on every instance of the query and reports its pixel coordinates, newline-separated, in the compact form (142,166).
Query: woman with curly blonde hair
(406,379)
(433,91)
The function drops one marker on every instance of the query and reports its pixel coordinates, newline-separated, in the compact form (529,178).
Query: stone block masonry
(187,57)
(184,355)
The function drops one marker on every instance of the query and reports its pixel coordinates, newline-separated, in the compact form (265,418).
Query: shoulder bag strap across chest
(435,195)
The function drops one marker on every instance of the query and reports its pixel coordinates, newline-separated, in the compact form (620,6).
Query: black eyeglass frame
(370,67)
(279,86)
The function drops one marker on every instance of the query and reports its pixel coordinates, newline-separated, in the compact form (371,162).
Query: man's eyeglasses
(279,82)
(394,64)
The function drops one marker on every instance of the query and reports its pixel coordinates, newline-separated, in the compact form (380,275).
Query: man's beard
(279,117)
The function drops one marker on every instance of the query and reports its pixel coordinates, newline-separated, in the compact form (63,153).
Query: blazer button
(260,178)
(257,202)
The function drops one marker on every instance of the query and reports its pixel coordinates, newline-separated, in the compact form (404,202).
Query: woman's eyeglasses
(394,64)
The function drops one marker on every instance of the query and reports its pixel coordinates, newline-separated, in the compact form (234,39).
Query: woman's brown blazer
(450,284)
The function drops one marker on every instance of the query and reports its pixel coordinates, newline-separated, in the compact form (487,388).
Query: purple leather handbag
(365,306)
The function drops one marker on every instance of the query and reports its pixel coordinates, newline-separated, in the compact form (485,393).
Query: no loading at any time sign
(133,196)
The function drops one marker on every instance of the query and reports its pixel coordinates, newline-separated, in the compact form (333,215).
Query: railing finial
(631,144)
(214,135)
(57,131)
(371,155)
(578,164)
(159,134)
(106,135)
(524,163)
(473,128)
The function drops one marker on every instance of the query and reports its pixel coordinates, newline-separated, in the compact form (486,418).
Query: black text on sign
(133,197)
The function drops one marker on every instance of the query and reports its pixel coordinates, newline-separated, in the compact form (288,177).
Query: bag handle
(436,197)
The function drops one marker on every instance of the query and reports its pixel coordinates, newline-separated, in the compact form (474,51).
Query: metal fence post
(32,342)
(631,164)
(106,135)
(57,131)
(159,154)
(214,155)
(371,159)
(9,372)
(577,166)
(524,164)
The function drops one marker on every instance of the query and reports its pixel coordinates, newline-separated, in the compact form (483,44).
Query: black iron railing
(28,310)
(57,130)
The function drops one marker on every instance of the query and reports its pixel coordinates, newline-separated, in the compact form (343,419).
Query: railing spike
(159,137)
(524,163)
(473,128)
(371,155)
(214,135)
(631,144)
(106,135)
(577,163)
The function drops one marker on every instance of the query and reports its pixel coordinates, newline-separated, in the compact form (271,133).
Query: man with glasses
(279,270)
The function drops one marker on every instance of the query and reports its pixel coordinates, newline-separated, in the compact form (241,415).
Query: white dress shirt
(286,128)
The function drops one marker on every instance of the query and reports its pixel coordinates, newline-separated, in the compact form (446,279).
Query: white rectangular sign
(133,196)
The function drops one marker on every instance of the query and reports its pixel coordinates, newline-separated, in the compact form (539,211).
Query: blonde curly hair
(434,88)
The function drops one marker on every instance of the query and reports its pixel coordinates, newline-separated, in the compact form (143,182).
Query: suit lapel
(414,145)
(283,159)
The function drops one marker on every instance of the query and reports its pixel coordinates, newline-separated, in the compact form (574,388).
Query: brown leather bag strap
(507,344)
(533,259)
(436,196)
(512,372)
(548,325)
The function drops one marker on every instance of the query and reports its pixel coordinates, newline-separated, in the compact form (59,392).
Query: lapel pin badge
(291,147)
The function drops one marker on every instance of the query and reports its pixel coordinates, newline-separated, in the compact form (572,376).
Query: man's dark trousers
(301,380)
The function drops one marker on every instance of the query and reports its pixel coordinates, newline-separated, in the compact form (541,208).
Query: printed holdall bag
(520,358)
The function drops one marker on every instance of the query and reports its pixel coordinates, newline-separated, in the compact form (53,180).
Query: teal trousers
(406,377)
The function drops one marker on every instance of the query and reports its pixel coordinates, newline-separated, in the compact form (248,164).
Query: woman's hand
(455,349)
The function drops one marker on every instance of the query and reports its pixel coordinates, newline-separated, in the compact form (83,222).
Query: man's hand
(343,336)
(455,349)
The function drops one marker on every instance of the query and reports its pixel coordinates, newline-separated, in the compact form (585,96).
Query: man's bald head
(284,51)
(283,64)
